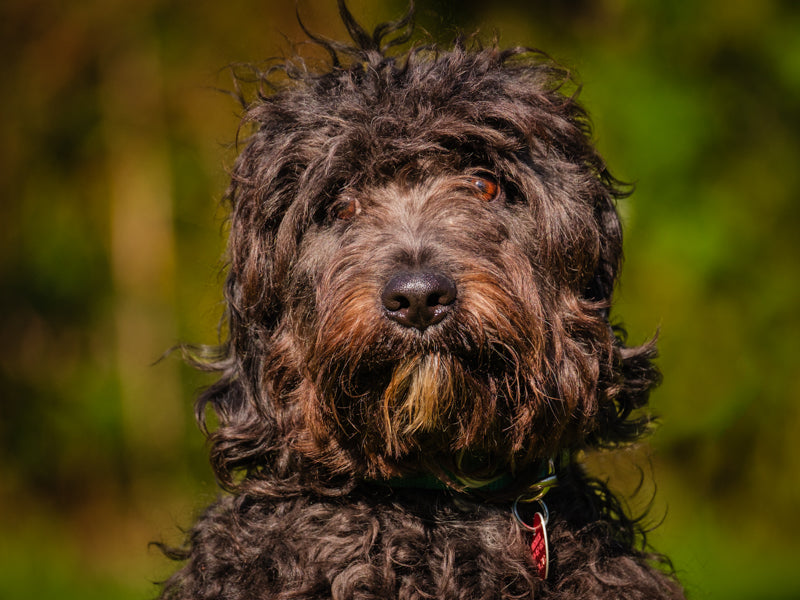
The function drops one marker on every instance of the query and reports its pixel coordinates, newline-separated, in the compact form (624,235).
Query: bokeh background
(113,148)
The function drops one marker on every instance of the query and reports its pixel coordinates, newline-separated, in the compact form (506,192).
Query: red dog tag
(539,547)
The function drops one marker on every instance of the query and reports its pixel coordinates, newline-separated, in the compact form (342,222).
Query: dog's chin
(424,403)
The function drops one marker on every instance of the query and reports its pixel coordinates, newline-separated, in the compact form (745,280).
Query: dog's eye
(345,209)
(486,188)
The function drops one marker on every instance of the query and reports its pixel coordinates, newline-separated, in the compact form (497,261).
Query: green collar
(545,480)
(431,482)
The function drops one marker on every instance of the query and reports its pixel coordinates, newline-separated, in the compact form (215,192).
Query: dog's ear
(626,387)
(249,287)
(600,286)
(273,184)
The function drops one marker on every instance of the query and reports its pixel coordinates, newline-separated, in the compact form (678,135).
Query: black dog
(422,253)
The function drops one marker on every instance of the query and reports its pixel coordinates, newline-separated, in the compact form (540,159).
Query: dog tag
(539,546)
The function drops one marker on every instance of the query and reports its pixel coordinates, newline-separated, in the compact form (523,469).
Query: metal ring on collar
(515,512)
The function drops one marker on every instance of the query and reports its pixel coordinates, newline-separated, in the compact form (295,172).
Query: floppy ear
(253,196)
(264,196)
(600,287)
(633,373)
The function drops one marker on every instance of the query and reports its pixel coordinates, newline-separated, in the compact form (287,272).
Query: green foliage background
(113,148)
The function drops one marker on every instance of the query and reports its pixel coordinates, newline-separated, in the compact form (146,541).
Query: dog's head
(423,249)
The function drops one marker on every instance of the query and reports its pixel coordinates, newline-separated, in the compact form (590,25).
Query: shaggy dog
(423,247)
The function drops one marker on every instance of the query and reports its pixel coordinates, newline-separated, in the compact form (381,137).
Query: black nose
(418,299)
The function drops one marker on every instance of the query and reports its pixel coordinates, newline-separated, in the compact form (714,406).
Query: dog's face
(428,330)
(422,259)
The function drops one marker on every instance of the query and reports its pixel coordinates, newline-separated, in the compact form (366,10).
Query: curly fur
(353,174)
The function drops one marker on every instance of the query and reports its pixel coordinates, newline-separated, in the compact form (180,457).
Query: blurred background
(113,148)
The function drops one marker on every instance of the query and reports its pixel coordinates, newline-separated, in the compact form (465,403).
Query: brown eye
(486,188)
(345,209)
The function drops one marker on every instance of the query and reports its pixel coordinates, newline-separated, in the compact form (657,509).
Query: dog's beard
(420,394)
(425,395)
(424,406)
(475,385)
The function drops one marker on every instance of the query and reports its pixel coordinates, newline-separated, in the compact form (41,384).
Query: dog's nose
(418,299)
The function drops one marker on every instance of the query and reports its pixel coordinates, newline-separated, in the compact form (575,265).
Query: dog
(422,252)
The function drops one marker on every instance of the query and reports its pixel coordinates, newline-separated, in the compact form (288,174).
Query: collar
(546,479)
